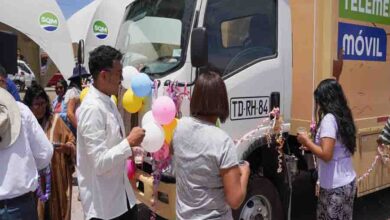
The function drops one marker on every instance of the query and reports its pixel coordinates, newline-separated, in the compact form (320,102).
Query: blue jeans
(20,208)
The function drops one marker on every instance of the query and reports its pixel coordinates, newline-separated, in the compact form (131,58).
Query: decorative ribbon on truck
(362,42)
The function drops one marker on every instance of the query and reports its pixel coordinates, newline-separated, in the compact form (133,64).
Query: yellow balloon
(169,129)
(131,102)
(115,99)
(83,93)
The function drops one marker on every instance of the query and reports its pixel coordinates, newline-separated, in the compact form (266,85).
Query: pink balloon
(161,154)
(164,110)
(131,168)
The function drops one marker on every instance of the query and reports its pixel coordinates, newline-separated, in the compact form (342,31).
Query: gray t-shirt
(201,150)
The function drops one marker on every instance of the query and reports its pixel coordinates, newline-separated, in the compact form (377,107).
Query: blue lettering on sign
(362,43)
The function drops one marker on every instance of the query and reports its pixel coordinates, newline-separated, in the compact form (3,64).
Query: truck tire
(262,202)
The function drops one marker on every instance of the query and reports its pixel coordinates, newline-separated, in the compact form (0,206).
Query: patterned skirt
(336,204)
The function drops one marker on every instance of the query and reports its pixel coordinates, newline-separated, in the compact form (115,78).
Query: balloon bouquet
(159,123)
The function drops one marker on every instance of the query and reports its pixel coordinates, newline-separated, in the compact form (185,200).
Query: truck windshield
(155,33)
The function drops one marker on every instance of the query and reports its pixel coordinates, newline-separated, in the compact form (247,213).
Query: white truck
(264,47)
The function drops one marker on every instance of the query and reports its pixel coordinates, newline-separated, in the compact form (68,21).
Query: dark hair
(101,58)
(330,98)
(36,91)
(3,73)
(64,84)
(210,97)
(75,82)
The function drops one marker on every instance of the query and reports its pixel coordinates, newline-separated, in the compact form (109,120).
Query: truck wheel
(262,202)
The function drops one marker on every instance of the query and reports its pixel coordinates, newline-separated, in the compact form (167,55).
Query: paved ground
(77,211)
(375,206)
(372,207)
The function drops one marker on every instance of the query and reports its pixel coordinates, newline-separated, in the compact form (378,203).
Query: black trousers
(131,214)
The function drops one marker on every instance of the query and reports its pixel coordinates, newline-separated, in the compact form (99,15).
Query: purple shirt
(338,171)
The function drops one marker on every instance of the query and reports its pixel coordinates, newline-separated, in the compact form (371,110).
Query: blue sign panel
(362,43)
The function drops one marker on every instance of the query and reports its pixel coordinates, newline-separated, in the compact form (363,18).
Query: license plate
(249,107)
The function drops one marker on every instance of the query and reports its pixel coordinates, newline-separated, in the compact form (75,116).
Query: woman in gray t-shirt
(208,179)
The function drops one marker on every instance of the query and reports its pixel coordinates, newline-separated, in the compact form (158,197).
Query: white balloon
(148,117)
(128,72)
(154,137)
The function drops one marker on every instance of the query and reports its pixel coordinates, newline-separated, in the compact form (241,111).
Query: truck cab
(249,43)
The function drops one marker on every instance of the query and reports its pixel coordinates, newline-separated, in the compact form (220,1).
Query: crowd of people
(43,142)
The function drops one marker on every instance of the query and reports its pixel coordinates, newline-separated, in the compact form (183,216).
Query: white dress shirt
(19,163)
(102,150)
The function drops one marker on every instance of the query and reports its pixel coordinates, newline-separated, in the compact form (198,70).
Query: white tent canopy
(80,21)
(112,16)
(43,22)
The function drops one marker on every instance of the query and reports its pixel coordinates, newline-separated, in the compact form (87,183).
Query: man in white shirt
(102,147)
(24,149)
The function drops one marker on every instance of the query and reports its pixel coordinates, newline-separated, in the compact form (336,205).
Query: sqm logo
(100,29)
(48,21)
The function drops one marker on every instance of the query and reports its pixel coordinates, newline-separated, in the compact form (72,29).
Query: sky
(69,7)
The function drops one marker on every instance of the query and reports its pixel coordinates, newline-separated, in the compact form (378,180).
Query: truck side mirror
(199,47)
(274,100)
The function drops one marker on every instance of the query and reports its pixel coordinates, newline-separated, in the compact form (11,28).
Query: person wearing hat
(24,149)
(103,146)
(72,96)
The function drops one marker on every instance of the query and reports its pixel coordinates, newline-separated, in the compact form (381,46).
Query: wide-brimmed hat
(79,71)
(10,120)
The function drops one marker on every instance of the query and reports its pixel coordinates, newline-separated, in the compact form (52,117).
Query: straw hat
(10,120)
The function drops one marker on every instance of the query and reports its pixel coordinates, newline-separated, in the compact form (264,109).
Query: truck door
(249,43)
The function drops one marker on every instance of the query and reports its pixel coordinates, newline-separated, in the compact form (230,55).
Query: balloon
(161,154)
(131,168)
(130,102)
(164,110)
(114,99)
(128,72)
(83,93)
(141,85)
(148,117)
(169,129)
(154,137)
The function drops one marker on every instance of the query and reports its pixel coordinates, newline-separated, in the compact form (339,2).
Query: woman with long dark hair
(334,145)
(59,203)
